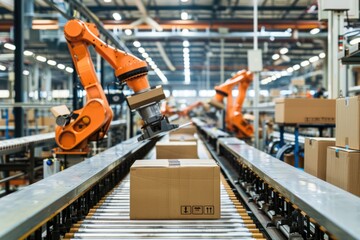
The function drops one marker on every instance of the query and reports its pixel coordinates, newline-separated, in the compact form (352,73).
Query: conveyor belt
(110,220)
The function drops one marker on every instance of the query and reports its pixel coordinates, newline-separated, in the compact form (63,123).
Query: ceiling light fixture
(9,46)
(284,50)
(304,63)
(128,32)
(296,67)
(184,16)
(186,43)
(41,58)
(28,53)
(145,55)
(61,66)
(275,56)
(185,30)
(26,72)
(2,68)
(51,62)
(314,31)
(69,69)
(141,50)
(314,59)
(116,16)
(322,55)
(290,70)
(137,44)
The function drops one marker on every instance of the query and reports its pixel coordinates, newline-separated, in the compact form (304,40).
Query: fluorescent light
(107,1)
(314,31)
(304,63)
(284,50)
(28,53)
(273,78)
(278,75)
(2,68)
(10,46)
(322,55)
(185,30)
(145,55)
(296,67)
(148,59)
(184,0)
(51,62)
(116,16)
(141,50)
(137,44)
(186,50)
(355,41)
(41,58)
(275,56)
(314,59)
(69,69)
(186,43)
(184,16)
(272,38)
(26,72)
(128,32)
(61,66)
(290,70)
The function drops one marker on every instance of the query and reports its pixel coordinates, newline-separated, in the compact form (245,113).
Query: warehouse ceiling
(164,28)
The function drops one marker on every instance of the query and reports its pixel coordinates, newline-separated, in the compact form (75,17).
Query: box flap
(163,163)
(344,150)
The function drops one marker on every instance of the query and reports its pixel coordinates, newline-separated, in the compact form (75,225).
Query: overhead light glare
(322,55)
(69,69)
(137,44)
(2,68)
(186,43)
(51,62)
(148,59)
(117,16)
(184,16)
(28,53)
(296,67)
(26,72)
(314,31)
(290,70)
(145,55)
(304,63)
(275,56)
(61,66)
(314,59)
(284,50)
(128,32)
(355,41)
(41,58)
(185,30)
(141,50)
(10,46)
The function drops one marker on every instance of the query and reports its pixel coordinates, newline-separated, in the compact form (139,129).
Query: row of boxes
(337,160)
(172,187)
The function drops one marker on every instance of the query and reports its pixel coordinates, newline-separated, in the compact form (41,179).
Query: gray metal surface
(214,132)
(331,207)
(23,142)
(24,210)
(111,220)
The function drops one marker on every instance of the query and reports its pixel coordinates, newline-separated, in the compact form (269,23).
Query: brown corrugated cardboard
(175,189)
(274,92)
(305,110)
(176,150)
(289,158)
(343,169)
(60,110)
(136,100)
(315,156)
(348,122)
(182,138)
(191,129)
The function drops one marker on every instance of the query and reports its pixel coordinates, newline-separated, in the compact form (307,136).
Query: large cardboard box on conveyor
(315,156)
(305,111)
(343,169)
(176,150)
(348,122)
(175,189)
(182,138)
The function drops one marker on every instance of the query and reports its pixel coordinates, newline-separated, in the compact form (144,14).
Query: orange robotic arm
(225,90)
(94,119)
(242,127)
(185,112)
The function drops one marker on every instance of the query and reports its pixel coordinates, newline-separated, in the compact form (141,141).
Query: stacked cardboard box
(175,189)
(343,161)
(305,111)
(315,156)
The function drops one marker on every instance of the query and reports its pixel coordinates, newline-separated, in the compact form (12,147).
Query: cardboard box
(298,82)
(289,158)
(305,111)
(274,92)
(137,100)
(348,122)
(175,189)
(343,169)
(185,130)
(315,156)
(176,150)
(182,138)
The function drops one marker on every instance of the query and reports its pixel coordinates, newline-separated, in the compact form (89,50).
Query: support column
(222,77)
(35,80)
(19,65)
(256,80)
